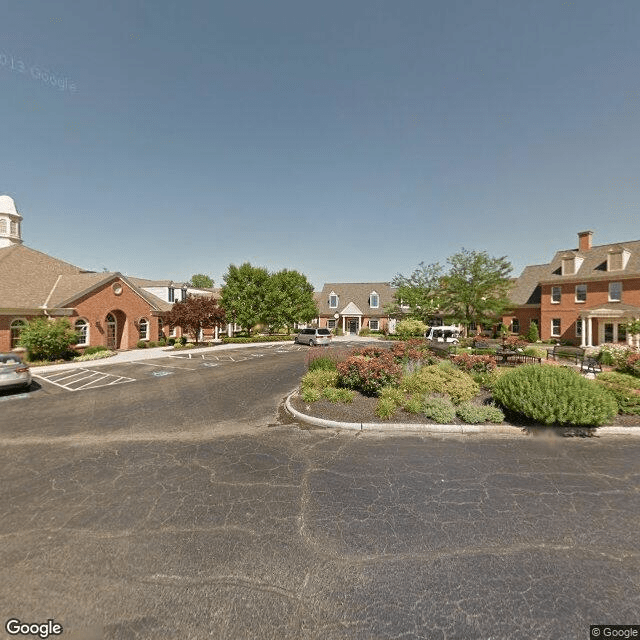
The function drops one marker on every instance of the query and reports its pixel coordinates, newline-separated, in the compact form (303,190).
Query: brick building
(106,309)
(585,295)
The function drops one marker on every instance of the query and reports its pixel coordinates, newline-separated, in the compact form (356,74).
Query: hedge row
(228,340)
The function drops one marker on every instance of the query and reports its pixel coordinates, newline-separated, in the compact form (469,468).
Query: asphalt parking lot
(186,506)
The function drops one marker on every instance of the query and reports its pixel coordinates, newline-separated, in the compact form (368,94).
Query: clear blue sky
(349,140)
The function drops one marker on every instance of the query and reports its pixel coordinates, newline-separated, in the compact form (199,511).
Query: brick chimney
(584,240)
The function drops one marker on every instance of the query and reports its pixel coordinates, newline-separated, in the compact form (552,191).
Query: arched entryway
(114,326)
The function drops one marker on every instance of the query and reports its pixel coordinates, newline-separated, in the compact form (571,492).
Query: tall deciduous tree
(476,287)
(201,281)
(196,313)
(244,294)
(421,292)
(289,299)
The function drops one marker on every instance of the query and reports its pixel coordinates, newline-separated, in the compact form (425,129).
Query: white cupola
(10,223)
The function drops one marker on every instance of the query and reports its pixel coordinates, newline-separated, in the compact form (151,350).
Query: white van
(445,333)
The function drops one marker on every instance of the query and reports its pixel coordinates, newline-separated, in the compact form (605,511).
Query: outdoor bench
(520,358)
(443,348)
(561,351)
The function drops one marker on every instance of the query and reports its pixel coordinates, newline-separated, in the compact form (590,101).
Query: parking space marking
(82,379)
(170,366)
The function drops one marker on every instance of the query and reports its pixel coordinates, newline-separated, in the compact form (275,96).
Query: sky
(349,140)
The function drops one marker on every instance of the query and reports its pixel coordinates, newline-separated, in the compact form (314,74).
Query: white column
(583,339)
(589,332)
(215,334)
(615,333)
(359,323)
(230,329)
(343,325)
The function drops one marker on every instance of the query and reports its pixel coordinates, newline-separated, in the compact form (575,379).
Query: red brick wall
(524,315)
(568,309)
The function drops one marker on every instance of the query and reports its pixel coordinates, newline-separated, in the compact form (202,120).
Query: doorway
(353,326)
(112,332)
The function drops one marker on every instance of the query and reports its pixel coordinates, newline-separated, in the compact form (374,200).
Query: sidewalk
(135,355)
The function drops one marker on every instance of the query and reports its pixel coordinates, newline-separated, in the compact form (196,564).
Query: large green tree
(201,281)
(244,295)
(421,292)
(289,299)
(476,287)
(47,339)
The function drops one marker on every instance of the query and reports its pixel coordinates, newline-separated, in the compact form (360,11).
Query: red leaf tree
(195,314)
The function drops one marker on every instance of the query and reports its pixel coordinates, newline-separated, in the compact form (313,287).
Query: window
(622,333)
(615,291)
(374,300)
(144,329)
(14,228)
(16,329)
(82,329)
(333,301)
(579,328)
(172,294)
(331,324)
(373,325)
(184,295)
(3,225)
(515,325)
(581,293)
(555,327)
(173,331)
(472,326)
(556,295)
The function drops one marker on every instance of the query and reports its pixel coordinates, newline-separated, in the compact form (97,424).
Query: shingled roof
(526,288)
(356,292)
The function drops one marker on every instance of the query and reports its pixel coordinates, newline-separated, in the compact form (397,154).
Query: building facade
(584,296)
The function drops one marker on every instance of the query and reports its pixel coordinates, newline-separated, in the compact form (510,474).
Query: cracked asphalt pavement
(181,507)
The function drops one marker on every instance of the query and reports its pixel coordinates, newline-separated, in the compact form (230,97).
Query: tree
(532,332)
(196,313)
(411,328)
(244,293)
(201,281)
(289,299)
(421,292)
(476,287)
(47,339)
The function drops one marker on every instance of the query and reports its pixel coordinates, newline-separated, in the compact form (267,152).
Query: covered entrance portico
(606,324)
(351,319)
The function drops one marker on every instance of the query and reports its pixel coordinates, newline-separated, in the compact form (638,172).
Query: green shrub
(319,379)
(162,342)
(533,334)
(97,355)
(409,328)
(536,352)
(385,408)
(309,394)
(47,339)
(142,344)
(338,395)
(458,385)
(171,341)
(440,410)
(413,404)
(475,414)
(183,340)
(151,344)
(91,350)
(554,395)
(368,375)
(325,363)
(625,389)
(473,363)
(365,331)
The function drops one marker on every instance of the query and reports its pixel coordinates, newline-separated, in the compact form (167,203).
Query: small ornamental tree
(196,313)
(47,339)
(532,333)
(411,328)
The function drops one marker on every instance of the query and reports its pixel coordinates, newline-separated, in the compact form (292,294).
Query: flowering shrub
(630,364)
(474,364)
(368,375)
(514,342)
(613,354)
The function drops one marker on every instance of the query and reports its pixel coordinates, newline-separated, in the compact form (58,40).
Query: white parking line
(163,366)
(84,379)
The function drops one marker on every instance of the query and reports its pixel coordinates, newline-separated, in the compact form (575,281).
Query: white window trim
(376,306)
(556,335)
(609,293)
(171,294)
(377,327)
(585,294)
(333,294)
(331,324)
(560,297)
(86,341)
(146,332)
(517,321)
(173,331)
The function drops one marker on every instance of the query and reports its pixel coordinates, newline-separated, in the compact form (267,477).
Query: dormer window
(184,294)
(571,264)
(374,300)
(3,225)
(617,259)
(333,300)
(172,294)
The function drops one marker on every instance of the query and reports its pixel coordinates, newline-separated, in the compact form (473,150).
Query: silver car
(313,337)
(13,371)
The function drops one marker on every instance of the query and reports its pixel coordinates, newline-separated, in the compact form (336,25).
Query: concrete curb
(436,428)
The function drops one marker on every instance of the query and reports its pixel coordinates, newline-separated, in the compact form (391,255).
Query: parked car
(313,337)
(444,334)
(14,372)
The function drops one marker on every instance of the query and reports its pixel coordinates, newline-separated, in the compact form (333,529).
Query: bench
(443,348)
(562,351)
(590,365)
(520,358)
